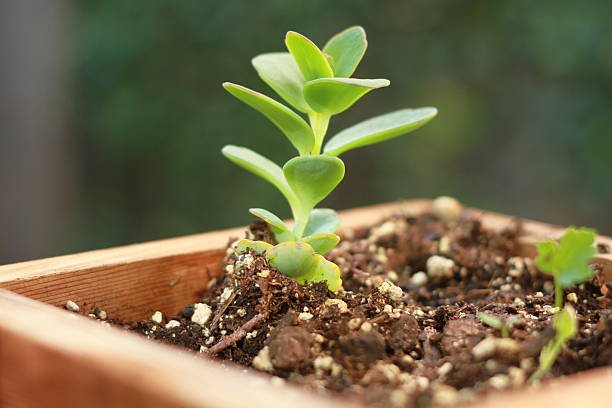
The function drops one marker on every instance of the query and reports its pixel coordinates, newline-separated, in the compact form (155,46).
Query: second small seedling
(568,260)
(503,325)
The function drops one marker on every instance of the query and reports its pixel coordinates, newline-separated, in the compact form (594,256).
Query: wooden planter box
(53,358)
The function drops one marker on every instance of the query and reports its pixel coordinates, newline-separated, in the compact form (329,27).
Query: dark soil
(404,331)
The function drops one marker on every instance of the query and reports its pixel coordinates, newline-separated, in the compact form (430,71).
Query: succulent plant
(316,83)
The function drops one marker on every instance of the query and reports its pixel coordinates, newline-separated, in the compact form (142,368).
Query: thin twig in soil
(219,314)
(237,335)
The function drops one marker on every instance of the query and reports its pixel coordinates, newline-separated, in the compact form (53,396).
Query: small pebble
(73,307)
(392,275)
(446,208)
(306,316)
(354,323)
(392,290)
(262,361)
(499,381)
(445,368)
(419,279)
(444,244)
(440,267)
(339,303)
(172,324)
(157,317)
(201,313)
(366,327)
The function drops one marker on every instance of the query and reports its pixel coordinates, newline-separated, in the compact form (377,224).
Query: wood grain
(50,357)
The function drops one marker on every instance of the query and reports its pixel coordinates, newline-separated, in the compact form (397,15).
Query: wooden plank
(587,389)
(52,358)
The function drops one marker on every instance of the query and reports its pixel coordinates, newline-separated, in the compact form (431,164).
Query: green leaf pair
(304,181)
(298,260)
(319,233)
(567,261)
(317,83)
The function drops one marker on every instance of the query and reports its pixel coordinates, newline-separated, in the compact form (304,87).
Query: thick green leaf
(378,129)
(347,48)
(334,95)
(290,123)
(323,270)
(322,243)
(281,73)
(322,220)
(292,259)
(260,166)
(312,178)
(280,230)
(310,60)
(568,261)
(258,246)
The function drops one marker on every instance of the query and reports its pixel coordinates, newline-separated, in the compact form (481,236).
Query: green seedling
(567,261)
(566,326)
(500,324)
(317,83)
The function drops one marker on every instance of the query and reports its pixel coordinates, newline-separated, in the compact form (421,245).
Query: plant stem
(301,219)
(319,123)
(558,295)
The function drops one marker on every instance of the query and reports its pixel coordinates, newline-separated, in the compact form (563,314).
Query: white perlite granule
(73,307)
(306,316)
(262,361)
(157,317)
(172,324)
(392,290)
(341,304)
(440,267)
(419,279)
(201,313)
(446,208)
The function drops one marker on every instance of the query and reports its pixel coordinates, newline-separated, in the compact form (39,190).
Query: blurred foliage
(524,91)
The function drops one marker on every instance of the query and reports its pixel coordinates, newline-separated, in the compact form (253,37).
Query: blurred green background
(524,91)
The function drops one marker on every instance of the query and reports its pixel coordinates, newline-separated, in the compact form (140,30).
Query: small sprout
(566,326)
(317,83)
(500,324)
(567,261)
